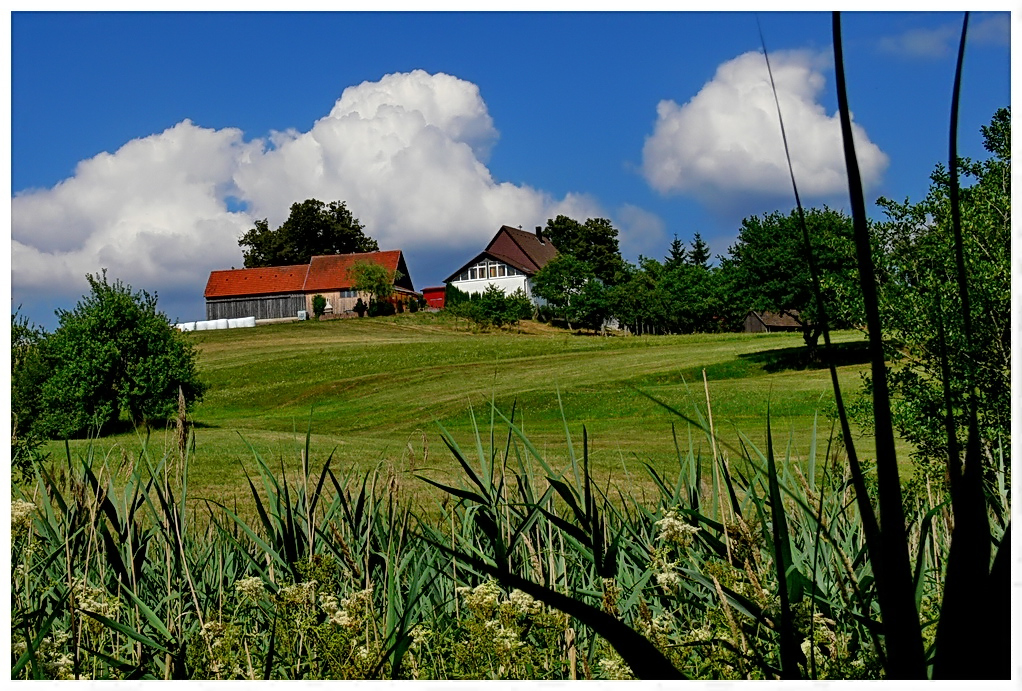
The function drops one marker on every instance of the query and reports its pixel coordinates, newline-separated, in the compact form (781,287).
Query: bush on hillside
(114,354)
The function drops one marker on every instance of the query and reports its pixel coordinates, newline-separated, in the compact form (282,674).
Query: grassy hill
(374,389)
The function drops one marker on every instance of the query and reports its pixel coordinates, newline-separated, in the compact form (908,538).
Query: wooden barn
(280,292)
(762,322)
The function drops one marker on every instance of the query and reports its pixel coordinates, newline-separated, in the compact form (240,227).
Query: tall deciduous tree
(913,250)
(768,267)
(114,353)
(560,281)
(594,242)
(312,228)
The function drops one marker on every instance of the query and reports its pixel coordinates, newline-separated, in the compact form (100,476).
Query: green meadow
(374,392)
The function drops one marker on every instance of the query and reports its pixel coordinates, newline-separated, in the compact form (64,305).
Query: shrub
(115,353)
(380,308)
(318,305)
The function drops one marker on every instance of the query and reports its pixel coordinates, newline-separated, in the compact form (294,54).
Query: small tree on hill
(370,277)
(115,353)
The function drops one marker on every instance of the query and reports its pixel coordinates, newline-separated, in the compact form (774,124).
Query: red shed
(434,296)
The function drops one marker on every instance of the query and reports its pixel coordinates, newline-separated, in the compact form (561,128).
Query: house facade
(508,262)
(281,292)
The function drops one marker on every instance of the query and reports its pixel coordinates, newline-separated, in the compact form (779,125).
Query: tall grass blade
(895,592)
(790,650)
(964,613)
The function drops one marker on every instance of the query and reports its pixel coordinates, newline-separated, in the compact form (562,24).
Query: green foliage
(590,308)
(492,307)
(676,255)
(921,308)
(318,305)
(675,297)
(360,307)
(114,353)
(768,268)
(312,228)
(375,279)
(380,308)
(593,243)
(29,371)
(454,295)
(699,255)
(560,281)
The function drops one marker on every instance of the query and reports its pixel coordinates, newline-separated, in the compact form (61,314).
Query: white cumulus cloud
(725,143)
(407,153)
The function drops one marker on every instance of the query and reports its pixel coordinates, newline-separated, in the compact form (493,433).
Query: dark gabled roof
(523,250)
(538,252)
(775,319)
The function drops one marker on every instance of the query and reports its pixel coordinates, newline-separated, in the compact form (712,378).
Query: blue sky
(146,143)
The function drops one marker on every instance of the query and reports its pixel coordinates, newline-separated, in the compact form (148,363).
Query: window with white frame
(487,269)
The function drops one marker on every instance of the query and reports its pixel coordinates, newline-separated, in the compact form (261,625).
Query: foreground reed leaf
(791,653)
(967,632)
(889,559)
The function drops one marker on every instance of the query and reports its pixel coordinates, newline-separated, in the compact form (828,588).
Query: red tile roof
(260,281)
(333,271)
(322,273)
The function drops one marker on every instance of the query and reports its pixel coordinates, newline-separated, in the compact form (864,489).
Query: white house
(509,261)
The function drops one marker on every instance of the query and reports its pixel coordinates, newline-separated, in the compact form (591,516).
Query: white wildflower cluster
(93,599)
(51,653)
(668,579)
(665,570)
(350,612)
(506,639)
(21,517)
(614,667)
(251,588)
(703,633)
(213,632)
(302,594)
(523,603)
(420,634)
(673,529)
(483,599)
(660,625)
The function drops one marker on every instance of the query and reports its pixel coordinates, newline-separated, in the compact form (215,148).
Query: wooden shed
(272,292)
(761,322)
(435,296)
